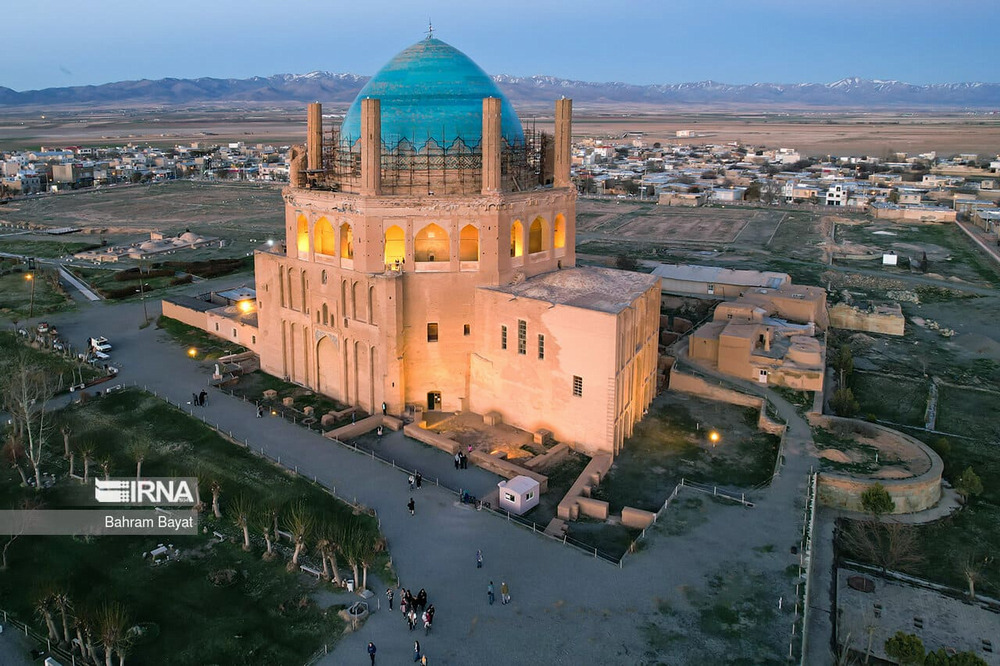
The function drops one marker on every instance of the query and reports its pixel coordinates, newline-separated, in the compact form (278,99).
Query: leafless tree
(24,392)
(300,524)
(973,572)
(13,453)
(888,544)
(66,432)
(242,511)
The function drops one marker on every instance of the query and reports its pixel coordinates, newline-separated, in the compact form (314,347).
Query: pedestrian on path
(423,660)
(416,650)
(379,432)
(504,593)
(403,603)
(371,651)
(410,505)
(388,595)
(418,478)
(479,559)
(203,398)
(260,411)
(410,479)
(465,462)
(489,593)
(194,399)
(411,618)
(422,599)
(458,459)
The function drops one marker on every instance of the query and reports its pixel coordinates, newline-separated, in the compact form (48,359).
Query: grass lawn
(16,298)
(968,412)
(39,248)
(866,452)
(207,347)
(671,443)
(562,475)
(103,280)
(265,616)
(61,369)
(890,398)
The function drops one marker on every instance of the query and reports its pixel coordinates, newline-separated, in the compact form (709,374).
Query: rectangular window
(541,347)
(528,495)
(503,337)
(432,332)
(234,332)
(216,326)
(509,497)
(577,386)
(253,339)
(522,336)
(466,330)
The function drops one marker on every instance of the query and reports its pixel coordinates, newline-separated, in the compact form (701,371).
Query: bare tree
(973,572)
(216,491)
(263,520)
(889,544)
(62,602)
(87,452)
(24,393)
(113,629)
(17,529)
(66,432)
(300,524)
(139,451)
(242,511)
(13,453)
(43,609)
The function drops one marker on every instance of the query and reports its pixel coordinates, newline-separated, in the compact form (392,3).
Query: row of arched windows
(431,243)
(540,237)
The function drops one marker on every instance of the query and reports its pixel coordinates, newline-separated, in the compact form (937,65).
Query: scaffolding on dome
(435,169)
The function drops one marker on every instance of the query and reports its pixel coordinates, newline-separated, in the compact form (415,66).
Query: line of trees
(97,633)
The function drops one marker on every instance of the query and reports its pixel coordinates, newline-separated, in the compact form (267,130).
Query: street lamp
(31,278)
(714,437)
(192,352)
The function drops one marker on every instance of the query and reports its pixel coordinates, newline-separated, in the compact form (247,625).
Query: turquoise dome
(431,90)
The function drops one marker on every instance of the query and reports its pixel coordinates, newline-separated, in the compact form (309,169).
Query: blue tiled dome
(432,91)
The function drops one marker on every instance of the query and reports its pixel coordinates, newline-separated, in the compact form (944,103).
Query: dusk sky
(62,42)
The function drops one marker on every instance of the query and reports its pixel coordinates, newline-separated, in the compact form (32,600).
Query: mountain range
(342,88)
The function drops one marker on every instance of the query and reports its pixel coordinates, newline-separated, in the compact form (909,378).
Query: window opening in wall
(323,277)
(432,332)
(522,336)
(466,329)
(541,347)
(253,339)
(234,332)
(503,337)
(577,386)
(216,326)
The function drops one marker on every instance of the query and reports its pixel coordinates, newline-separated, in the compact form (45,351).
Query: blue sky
(61,42)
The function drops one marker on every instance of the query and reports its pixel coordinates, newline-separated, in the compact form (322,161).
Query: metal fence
(54,650)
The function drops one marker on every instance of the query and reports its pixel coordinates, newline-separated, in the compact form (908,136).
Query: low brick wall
(498,466)
(363,426)
(571,505)
(910,495)
(637,518)
(195,318)
(432,438)
(685,383)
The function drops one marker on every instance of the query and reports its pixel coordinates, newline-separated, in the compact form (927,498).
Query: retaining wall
(912,494)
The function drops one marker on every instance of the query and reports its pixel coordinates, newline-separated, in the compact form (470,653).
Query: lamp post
(30,277)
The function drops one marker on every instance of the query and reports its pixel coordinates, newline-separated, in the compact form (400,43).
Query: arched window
(560,231)
(431,244)
(346,241)
(395,245)
(354,300)
(468,244)
(322,277)
(343,298)
(326,314)
(537,236)
(371,304)
(302,236)
(324,239)
(516,239)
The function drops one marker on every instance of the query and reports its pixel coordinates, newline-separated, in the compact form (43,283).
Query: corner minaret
(371,147)
(491,145)
(564,131)
(314,137)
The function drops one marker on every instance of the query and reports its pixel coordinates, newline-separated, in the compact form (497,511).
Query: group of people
(490,591)
(199,399)
(461,461)
(413,607)
(415,480)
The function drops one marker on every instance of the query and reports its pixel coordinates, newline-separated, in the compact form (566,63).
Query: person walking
(489,593)
(402,603)
(260,411)
(416,650)
(479,559)
(410,479)
(504,593)
(410,505)
(418,478)
(427,623)
(371,651)
(411,618)
(422,599)
(203,398)
(458,460)
(388,595)
(465,461)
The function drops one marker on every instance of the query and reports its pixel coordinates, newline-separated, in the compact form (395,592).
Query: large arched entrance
(327,367)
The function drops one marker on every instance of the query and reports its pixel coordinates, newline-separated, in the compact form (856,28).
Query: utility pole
(30,277)
(142,296)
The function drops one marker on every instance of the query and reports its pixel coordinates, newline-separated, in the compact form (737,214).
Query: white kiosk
(518,494)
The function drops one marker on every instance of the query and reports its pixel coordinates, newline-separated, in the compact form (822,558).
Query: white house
(519,494)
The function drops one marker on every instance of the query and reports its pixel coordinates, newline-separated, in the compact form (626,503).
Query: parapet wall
(685,383)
